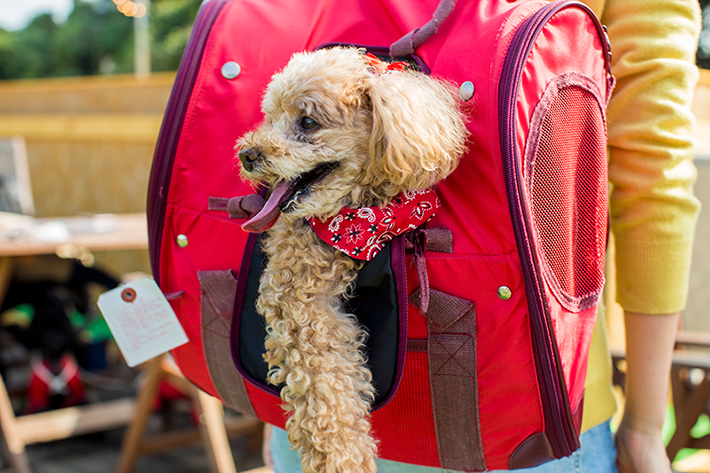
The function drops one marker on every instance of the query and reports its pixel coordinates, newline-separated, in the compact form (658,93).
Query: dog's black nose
(247,157)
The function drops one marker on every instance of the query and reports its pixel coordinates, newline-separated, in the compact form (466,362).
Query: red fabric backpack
(493,376)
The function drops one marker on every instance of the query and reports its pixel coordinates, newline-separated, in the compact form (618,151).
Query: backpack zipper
(555,402)
(169,137)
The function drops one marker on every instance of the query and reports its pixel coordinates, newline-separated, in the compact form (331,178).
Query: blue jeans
(597,455)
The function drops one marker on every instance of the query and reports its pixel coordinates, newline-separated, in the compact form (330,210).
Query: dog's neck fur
(310,332)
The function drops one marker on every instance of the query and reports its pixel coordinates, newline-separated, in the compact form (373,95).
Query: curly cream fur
(389,133)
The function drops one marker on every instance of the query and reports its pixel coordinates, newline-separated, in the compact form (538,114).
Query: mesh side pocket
(566,186)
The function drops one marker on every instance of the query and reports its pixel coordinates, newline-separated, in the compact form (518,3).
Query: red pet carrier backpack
(493,376)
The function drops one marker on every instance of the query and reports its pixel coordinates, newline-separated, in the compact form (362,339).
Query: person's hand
(640,451)
(266,447)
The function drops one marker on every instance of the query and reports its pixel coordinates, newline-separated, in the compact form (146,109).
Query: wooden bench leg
(214,434)
(13,442)
(136,430)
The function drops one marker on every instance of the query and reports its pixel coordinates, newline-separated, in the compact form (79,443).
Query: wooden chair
(16,432)
(20,431)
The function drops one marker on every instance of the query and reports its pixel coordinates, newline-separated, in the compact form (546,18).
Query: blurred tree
(76,47)
(95,39)
(171,24)
(10,64)
(34,46)
(27,53)
(89,36)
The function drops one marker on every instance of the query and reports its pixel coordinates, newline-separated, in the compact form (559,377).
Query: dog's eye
(307,123)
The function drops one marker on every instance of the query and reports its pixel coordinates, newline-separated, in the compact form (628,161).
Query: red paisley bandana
(362,233)
(380,67)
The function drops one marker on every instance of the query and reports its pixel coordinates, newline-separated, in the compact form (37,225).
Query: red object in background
(54,388)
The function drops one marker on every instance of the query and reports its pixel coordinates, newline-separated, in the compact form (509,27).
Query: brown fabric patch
(218,291)
(453,379)
(439,239)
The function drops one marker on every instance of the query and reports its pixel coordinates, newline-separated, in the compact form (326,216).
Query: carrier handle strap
(407,44)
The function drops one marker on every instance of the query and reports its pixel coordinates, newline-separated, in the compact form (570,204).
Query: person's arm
(651,150)
(649,348)
(653,210)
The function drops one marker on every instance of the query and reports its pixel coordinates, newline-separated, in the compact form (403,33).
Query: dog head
(341,130)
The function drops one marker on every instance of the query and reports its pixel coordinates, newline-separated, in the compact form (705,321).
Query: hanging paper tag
(141,321)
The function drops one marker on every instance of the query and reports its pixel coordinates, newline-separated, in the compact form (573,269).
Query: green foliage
(88,37)
(95,39)
(700,430)
(171,24)
(10,66)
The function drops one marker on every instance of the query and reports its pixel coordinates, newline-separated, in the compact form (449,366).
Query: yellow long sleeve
(653,210)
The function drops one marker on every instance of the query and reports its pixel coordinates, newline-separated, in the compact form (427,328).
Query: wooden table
(94,232)
(30,237)
(22,237)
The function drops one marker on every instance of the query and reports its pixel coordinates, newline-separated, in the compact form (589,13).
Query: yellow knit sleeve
(653,210)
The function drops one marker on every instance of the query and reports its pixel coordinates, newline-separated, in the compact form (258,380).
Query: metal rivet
(128,294)
(466,91)
(182,241)
(231,70)
(504,293)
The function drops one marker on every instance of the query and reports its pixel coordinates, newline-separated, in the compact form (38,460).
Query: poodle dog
(342,130)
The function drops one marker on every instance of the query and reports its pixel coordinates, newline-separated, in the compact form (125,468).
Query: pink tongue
(270,211)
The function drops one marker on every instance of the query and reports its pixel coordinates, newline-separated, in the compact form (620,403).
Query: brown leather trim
(533,451)
(216,304)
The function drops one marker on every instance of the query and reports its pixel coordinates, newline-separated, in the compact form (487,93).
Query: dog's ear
(418,133)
